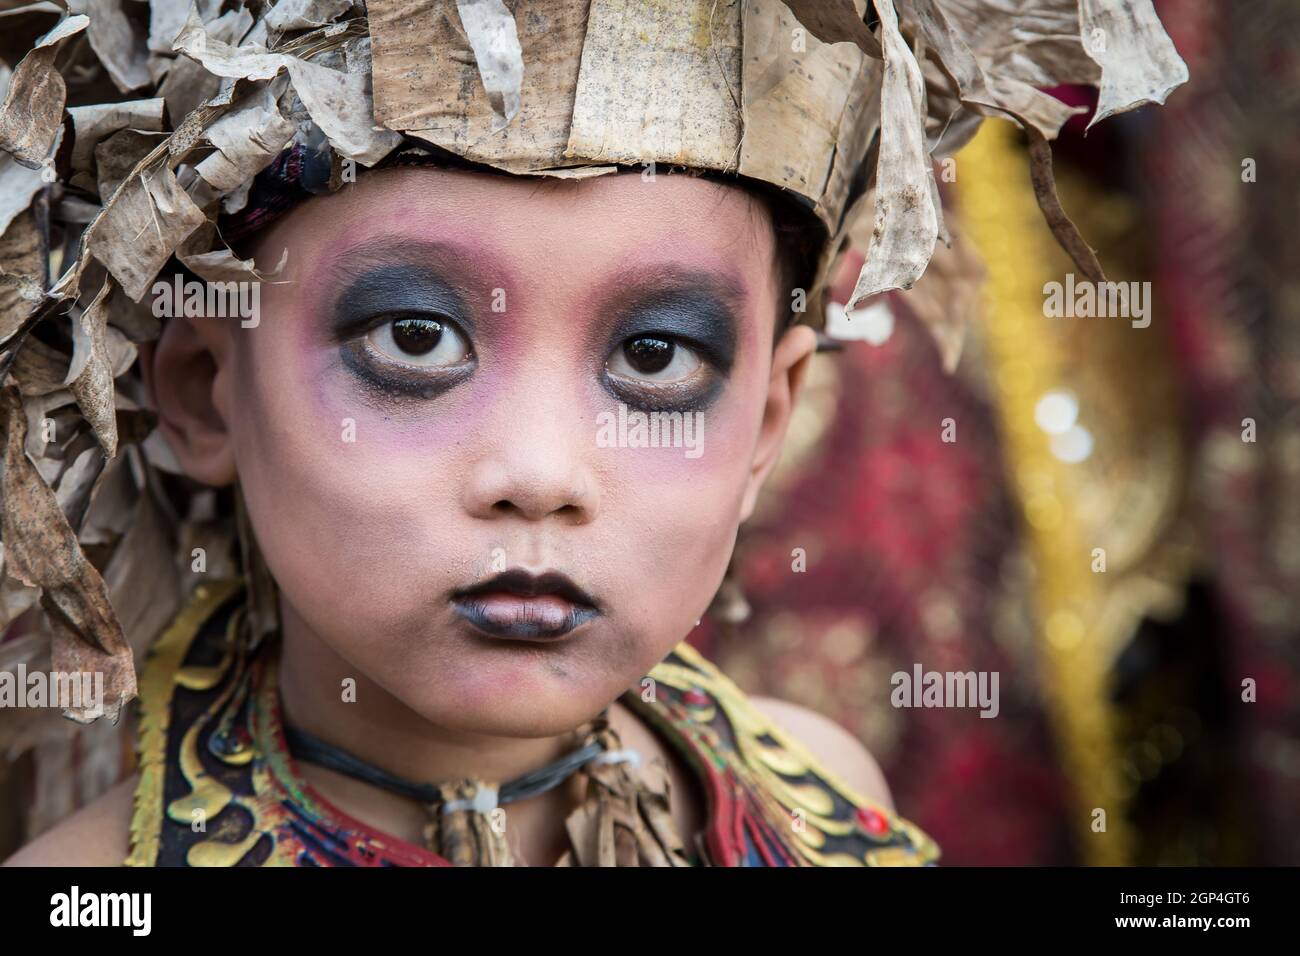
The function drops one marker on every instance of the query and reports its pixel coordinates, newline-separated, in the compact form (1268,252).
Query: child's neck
(379,729)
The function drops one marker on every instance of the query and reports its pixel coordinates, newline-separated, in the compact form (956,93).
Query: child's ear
(187,374)
(790,361)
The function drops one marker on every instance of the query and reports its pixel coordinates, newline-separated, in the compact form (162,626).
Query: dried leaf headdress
(129,130)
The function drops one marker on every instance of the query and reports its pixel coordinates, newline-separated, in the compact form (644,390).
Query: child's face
(420,407)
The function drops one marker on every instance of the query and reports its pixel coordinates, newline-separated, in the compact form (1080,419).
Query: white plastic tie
(628,756)
(484,801)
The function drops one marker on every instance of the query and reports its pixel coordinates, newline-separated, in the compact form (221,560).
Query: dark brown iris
(648,355)
(417,336)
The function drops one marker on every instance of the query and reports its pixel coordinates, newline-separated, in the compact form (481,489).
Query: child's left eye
(651,358)
(420,340)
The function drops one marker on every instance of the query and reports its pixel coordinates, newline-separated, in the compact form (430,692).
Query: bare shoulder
(837,749)
(96,835)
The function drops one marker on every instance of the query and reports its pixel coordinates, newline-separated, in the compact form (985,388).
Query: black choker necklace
(303,746)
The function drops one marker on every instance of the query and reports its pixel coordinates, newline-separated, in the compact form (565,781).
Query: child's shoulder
(96,835)
(792,725)
(833,746)
(782,767)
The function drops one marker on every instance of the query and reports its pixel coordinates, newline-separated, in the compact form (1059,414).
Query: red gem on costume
(872,821)
(696,698)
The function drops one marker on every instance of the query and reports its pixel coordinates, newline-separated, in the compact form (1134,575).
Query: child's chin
(502,712)
(517,722)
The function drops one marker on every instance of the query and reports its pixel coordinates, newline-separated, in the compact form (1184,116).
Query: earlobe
(185,374)
(790,363)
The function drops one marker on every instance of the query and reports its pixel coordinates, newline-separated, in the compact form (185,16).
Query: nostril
(506,506)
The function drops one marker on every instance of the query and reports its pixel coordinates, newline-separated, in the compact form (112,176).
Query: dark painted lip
(520,583)
(526,584)
(472,611)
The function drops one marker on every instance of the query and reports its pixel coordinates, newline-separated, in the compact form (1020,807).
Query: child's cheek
(677,517)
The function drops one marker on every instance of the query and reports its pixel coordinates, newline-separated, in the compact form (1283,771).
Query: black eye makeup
(672,351)
(404,332)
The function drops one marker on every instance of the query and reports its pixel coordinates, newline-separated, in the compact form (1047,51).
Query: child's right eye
(423,341)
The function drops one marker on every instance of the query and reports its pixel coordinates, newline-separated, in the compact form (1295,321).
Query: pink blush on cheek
(413,429)
(679,445)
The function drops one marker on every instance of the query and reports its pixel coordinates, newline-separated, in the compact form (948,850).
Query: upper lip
(526,584)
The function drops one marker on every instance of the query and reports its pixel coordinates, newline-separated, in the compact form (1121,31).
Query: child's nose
(537,464)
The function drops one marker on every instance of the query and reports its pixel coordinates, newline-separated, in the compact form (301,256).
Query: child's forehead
(427,189)
(678,221)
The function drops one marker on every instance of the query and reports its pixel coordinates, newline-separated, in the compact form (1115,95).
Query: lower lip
(542,617)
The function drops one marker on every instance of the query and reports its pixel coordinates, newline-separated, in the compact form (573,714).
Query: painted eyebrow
(389,250)
(636,285)
(647,282)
